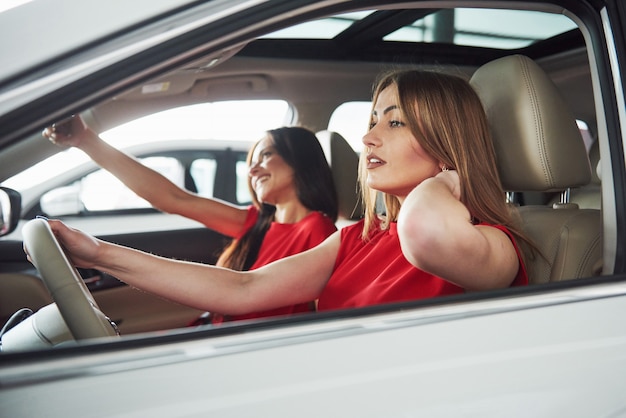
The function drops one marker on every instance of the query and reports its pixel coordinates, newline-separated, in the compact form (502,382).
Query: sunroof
(505,29)
(326,28)
(491,28)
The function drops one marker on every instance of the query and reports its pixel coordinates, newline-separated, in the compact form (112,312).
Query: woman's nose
(254,168)
(370,139)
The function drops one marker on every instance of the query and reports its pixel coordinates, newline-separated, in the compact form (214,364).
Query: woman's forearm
(159,191)
(296,279)
(200,286)
(144,181)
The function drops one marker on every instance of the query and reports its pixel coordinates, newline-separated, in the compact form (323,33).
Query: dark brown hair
(315,188)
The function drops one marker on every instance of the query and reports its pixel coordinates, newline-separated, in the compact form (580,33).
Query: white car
(555,348)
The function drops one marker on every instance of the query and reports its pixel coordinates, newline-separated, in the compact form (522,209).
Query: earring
(444,168)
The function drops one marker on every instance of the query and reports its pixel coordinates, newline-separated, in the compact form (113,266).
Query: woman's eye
(396,124)
(372,124)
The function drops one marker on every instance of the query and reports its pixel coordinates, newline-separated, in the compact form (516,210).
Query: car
(545,71)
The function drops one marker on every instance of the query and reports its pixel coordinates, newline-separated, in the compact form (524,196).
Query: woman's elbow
(418,242)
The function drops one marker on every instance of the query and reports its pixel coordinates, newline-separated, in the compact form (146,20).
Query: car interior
(535,92)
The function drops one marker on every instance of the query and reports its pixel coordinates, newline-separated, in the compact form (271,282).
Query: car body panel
(430,362)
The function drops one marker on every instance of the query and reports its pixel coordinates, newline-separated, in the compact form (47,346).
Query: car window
(219,121)
(203,174)
(101,191)
(201,147)
(465,26)
(586,134)
(350,120)
(214,120)
(242,191)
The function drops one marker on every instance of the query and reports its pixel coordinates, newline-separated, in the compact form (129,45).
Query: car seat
(589,196)
(344,163)
(540,149)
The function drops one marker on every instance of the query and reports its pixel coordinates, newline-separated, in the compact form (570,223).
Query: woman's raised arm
(437,235)
(162,194)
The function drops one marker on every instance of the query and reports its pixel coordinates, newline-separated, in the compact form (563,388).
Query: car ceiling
(300,69)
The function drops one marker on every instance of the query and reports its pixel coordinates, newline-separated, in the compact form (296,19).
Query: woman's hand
(69,132)
(81,248)
(451,179)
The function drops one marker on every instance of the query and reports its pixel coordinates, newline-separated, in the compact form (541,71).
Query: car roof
(60,31)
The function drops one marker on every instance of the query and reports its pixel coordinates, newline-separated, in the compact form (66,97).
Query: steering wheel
(67,288)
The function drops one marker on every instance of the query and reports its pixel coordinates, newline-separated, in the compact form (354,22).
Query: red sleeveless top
(282,240)
(376,272)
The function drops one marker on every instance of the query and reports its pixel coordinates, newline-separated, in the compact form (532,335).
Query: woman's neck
(291,213)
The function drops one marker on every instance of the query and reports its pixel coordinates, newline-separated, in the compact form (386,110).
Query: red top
(283,240)
(376,272)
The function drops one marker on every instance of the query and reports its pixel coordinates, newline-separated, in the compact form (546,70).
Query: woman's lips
(260,180)
(373,161)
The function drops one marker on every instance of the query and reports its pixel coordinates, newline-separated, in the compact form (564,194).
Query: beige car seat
(589,196)
(344,163)
(540,149)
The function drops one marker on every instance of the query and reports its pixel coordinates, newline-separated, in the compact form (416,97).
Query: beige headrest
(344,163)
(537,141)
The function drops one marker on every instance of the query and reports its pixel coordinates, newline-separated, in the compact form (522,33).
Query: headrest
(344,163)
(537,141)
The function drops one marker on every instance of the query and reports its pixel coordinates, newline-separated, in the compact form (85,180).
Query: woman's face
(396,163)
(272,179)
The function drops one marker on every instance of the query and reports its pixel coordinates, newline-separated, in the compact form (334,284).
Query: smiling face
(271,178)
(395,161)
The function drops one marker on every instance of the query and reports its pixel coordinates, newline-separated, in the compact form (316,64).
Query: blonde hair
(445,115)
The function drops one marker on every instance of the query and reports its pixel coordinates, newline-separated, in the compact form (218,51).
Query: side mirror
(10,209)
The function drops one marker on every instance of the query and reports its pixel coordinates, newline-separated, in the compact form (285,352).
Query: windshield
(218,120)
